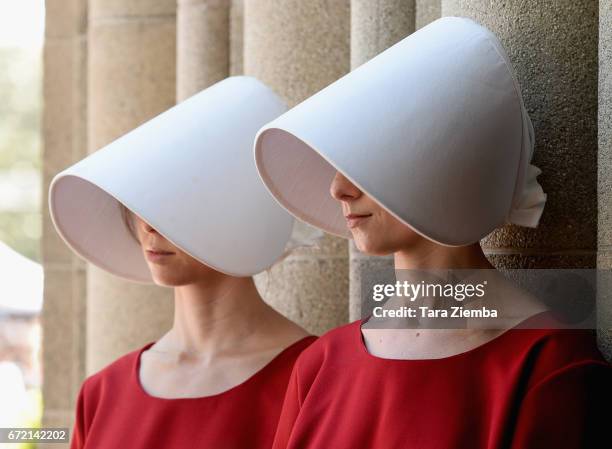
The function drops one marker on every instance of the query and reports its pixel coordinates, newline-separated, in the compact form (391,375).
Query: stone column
(202,45)
(553,47)
(375,26)
(64,142)
(297,48)
(427,11)
(132,57)
(604,261)
(236,37)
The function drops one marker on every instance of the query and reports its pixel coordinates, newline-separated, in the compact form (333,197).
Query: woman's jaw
(377,232)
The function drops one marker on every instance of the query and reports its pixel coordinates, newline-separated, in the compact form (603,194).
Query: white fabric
(434,129)
(529,197)
(190,174)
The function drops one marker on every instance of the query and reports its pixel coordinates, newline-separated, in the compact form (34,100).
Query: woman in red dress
(420,153)
(178,202)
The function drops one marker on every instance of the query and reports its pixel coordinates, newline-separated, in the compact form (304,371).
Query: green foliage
(20,106)
(20,141)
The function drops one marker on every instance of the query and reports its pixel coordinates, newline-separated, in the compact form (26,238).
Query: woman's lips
(158,255)
(354,220)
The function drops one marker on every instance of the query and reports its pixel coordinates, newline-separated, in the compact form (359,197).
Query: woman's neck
(429,255)
(215,315)
(432,263)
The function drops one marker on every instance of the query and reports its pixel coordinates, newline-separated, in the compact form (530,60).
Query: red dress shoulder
(114,411)
(525,389)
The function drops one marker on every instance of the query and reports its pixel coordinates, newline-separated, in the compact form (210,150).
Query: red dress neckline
(363,350)
(135,377)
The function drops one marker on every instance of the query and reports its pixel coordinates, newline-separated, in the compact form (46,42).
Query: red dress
(114,411)
(525,389)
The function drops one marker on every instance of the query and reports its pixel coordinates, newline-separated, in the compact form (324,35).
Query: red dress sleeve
(78,432)
(567,409)
(305,370)
(289,412)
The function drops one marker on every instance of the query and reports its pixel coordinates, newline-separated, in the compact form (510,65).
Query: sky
(22,23)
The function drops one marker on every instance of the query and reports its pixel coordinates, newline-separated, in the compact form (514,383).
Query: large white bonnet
(434,129)
(189,173)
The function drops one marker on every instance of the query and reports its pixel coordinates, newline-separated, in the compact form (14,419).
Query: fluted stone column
(604,261)
(427,11)
(297,48)
(64,142)
(375,26)
(132,57)
(202,45)
(236,37)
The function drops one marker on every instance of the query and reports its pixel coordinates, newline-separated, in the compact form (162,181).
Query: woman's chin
(168,278)
(370,246)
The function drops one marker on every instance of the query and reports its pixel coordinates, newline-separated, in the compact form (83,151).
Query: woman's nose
(148,228)
(342,189)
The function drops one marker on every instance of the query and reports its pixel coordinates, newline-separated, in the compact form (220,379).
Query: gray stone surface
(64,141)
(310,290)
(553,48)
(541,261)
(140,10)
(64,125)
(364,271)
(203,45)
(65,18)
(297,48)
(123,316)
(376,26)
(132,75)
(605,127)
(237,37)
(427,11)
(61,338)
(604,311)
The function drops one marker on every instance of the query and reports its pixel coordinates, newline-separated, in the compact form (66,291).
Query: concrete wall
(64,142)
(427,11)
(604,194)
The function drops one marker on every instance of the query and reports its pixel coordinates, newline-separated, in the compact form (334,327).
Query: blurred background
(22,26)
(76,74)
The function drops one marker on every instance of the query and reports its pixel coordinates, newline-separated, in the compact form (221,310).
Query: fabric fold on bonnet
(529,198)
